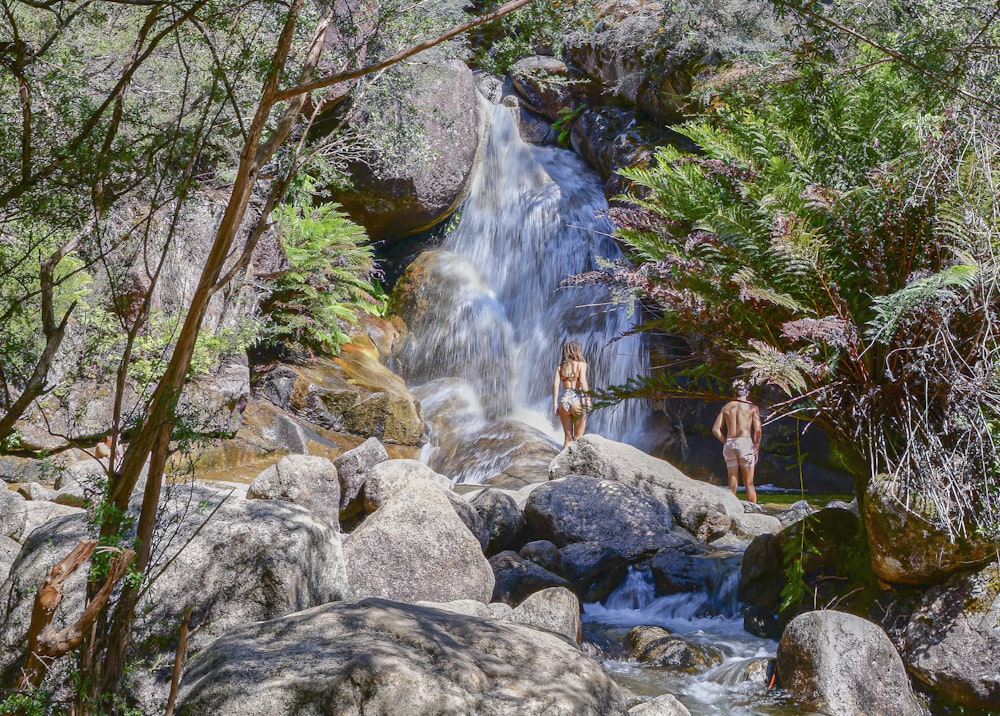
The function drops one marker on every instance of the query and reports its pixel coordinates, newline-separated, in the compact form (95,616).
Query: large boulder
(387,478)
(551,88)
(838,663)
(517,578)
(556,609)
(251,560)
(436,104)
(505,525)
(952,641)
(906,546)
(380,657)
(352,393)
(415,548)
(586,509)
(593,569)
(705,510)
(829,546)
(304,480)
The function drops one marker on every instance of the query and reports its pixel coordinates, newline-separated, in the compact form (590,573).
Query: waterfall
(532,219)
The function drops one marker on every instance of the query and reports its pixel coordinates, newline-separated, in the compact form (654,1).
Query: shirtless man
(741,441)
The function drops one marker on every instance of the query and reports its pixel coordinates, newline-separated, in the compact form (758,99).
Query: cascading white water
(532,219)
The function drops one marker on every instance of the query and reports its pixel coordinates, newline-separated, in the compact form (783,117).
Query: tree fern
(330,274)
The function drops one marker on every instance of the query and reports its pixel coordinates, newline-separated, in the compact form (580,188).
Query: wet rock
(838,663)
(440,288)
(505,525)
(544,554)
(376,656)
(675,571)
(657,646)
(906,548)
(353,466)
(13,513)
(952,641)
(252,560)
(517,578)
(394,200)
(551,88)
(586,509)
(304,480)
(705,510)
(612,138)
(593,569)
(416,548)
(387,478)
(664,705)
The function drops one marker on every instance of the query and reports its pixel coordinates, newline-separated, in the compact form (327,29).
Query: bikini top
(568,378)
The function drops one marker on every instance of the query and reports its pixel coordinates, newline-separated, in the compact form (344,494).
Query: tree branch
(499,12)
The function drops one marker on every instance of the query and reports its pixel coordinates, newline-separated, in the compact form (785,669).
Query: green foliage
(564,123)
(29,703)
(805,246)
(537,28)
(330,274)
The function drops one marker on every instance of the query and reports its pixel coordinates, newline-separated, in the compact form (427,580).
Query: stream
(482,366)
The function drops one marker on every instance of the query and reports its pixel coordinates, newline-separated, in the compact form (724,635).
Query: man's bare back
(738,417)
(739,429)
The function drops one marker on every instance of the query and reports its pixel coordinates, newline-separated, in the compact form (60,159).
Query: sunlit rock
(838,663)
(302,480)
(415,548)
(248,560)
(439,111)
(952,641)
(906,547)
(376,656)
(585,509)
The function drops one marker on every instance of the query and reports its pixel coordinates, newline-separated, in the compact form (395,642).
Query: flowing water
(735,686)
(532,219)
(482,359)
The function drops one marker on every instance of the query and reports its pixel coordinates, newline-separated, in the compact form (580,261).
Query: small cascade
(499,314)
(710,621)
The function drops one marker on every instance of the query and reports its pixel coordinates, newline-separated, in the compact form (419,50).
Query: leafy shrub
(807,246)
(330,274)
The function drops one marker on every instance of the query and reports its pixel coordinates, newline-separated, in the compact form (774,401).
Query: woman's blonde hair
(572,351)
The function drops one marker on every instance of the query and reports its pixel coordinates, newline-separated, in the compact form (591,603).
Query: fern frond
(890,310)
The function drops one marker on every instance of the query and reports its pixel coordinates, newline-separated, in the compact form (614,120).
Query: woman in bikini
(573,403)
